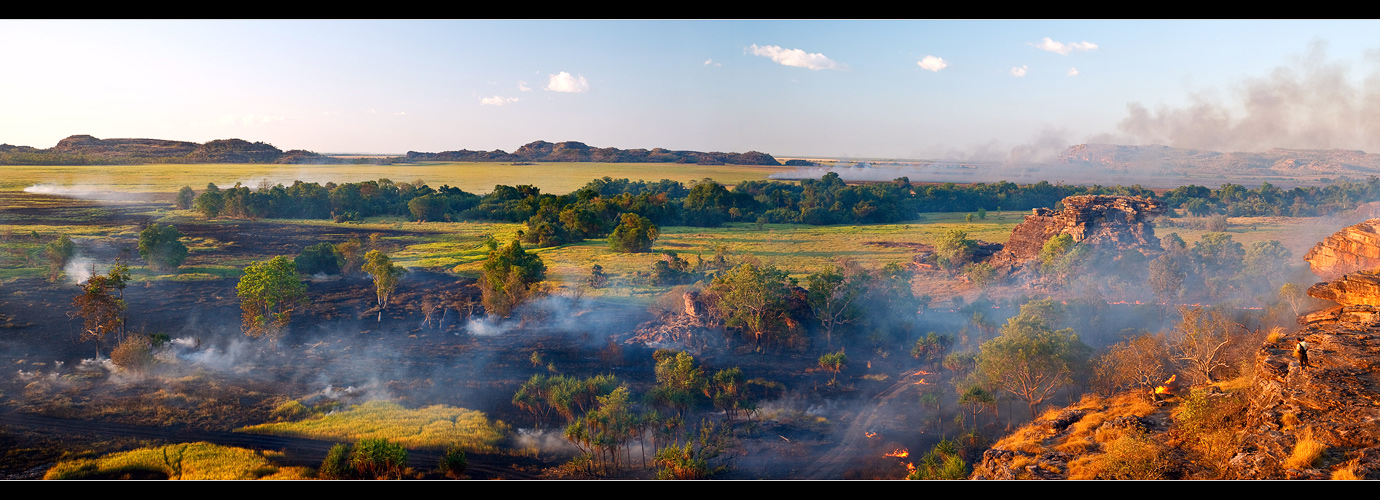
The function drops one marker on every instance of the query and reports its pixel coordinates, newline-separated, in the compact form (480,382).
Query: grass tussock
(436,426)
(1276,333)
(1306,451)
(194,461)
(1131,456)
(1347,471)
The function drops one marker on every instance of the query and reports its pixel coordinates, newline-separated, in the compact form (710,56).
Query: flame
(1164,388)
(871,435)
(899,453)
(921,382)
(921,372)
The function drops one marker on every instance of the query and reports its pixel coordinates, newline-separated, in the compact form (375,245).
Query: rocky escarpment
(1115,222)
(1335,402)
(1356,248)
(573,151)
(88,150)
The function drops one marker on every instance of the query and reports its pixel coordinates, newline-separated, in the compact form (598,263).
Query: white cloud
(523,86)
(400,113)
(564,82)
(1073,71)
(933,63)
(710,62)
(1062,48)
(1019,72)
(796,57)
(497,100)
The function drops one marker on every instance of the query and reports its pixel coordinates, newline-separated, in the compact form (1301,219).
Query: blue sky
(1005,90)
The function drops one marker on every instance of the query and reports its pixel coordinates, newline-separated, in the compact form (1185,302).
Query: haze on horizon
(1011,91)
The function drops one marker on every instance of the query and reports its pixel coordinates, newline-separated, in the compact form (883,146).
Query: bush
(159,245)
(453,463)
(321,258)
(135,353)
(1134,456)
(378,458)
(634,235)
(337,464)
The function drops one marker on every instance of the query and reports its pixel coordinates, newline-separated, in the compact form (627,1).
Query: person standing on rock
(1301,350)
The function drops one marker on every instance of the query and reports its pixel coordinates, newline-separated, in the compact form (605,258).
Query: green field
(192,461)
(479,178)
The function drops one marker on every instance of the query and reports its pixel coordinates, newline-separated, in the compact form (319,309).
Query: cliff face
(1355,248)
(1103,221)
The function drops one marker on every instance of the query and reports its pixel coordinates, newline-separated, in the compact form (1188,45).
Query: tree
(932,348)
(185,198)
(634,235)
(386,276)
(101,305)
(1166,277)
(321,258)
(1139,363)
(833,296)
(834,363)
(58,252)
(210,203)
(269,292)
(753,298)
(679,383)
(1030,359)
(159,246)
(1266,260)
(954,249)
(509,274)
(1200,341)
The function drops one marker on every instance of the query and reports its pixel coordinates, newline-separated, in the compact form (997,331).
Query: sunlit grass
(194,461)
(431,427)
(1306,451)
(475,177)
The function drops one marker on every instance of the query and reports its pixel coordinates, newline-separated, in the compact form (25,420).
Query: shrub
(378,458)
(453,463)
(634,235)
(1134,456)
(337,464)
(322,258)
(159,245)
(135,353)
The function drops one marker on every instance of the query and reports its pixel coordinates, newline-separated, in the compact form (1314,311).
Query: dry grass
(194,461)
(1289,421)
(431,427)
(1275,334)
(1347,471)
(1306,451)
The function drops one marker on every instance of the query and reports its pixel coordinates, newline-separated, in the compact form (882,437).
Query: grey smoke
(1307,103)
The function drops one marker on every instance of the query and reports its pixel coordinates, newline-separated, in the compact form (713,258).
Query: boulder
(1355,248)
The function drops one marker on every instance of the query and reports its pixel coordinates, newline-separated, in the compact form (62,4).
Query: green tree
(385,274)
(634,235)
(834,363)
(754,299)
(509,274)
(1267,261)
(210,203)
(679,382)
(1030,359)
(833,296)
(58,252)
(159,245)
(101,305)
(1166,277)
(185,198)
(321,258)
(954,249)
(941,462)
(269,293)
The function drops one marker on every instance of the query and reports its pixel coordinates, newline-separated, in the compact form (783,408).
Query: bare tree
(1142,363)
(1200,341)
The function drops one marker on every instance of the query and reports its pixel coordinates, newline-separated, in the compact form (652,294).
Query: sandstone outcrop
(1116,222)
(1355,248)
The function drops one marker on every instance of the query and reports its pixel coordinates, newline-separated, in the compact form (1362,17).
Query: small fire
(899,453)
(921,382)
(921,372)
(870,435)
(1167,386)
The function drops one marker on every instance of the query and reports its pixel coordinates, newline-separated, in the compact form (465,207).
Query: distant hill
(1165,160)
(88,150)
(572,151)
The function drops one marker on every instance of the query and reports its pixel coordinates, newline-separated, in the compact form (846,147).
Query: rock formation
(1117,222)
(1356,248)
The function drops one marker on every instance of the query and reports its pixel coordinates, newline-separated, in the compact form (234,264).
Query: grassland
(193,461)
(431,427)
(558,178)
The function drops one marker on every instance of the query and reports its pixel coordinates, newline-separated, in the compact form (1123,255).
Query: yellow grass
(436,426)
(1289,420)
(1306,451)
(555,178)
(1347,471)
(194,461)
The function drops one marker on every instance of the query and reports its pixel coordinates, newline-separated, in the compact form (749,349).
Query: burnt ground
(57,401)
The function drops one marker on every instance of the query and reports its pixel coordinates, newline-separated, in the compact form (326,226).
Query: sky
(961,90)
